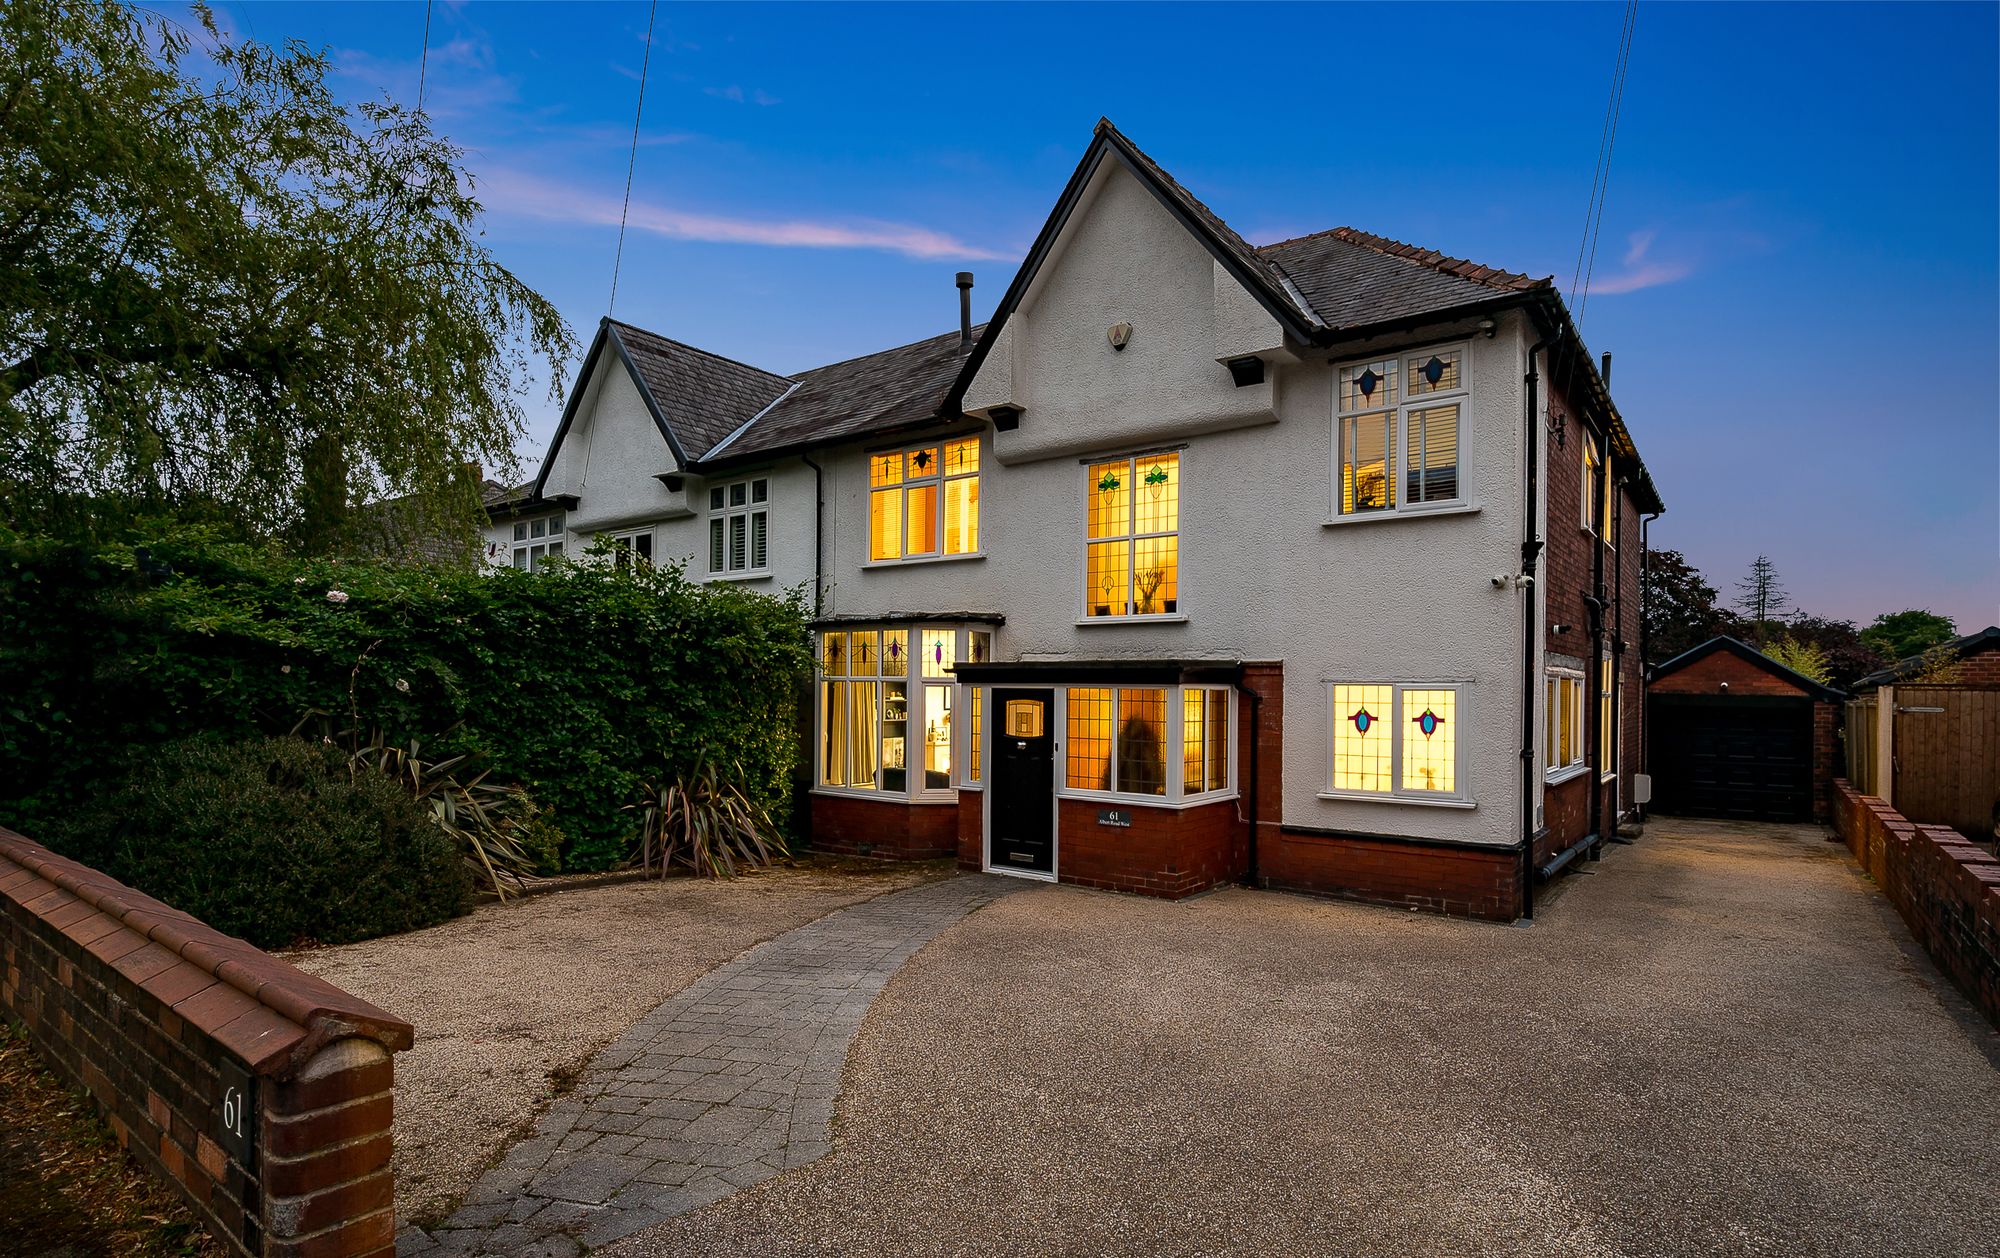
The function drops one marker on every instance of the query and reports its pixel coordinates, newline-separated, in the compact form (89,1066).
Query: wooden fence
(1941,764)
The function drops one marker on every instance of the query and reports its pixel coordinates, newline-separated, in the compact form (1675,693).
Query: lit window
(1118,741)
(924,502)
(1204,740)
(1417,400)
(1132,563)
(537,541)
(739,528)
(1607,681)
(1562,722)
(975,732)
(1392,740)
(884,725)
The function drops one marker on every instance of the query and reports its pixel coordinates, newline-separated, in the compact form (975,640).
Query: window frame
(1131,538)
(1598,514)
(750,507)
(1570,683)
(942,479)
(1176,795)
(916,706)
(1398,435)
(1460,797)
(521,540)
(1607,717)
(628,542)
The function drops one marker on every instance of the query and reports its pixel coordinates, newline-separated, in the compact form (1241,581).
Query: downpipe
(1531,551)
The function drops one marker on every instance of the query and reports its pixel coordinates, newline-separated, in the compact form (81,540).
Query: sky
(1798,264)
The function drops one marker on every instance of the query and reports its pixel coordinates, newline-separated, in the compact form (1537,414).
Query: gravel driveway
(1718,1041)
(511,1000)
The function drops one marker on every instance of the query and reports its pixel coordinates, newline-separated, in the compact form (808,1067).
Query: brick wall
(972,830)
(1982,669)
(1946,889)
(257,1092)
(1458,879)
(1169,852)
(1706,676)
(1565,816)
(893,829)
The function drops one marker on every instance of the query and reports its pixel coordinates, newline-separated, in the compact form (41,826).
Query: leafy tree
(1808,659)
(1760,596)
(1847,658)
(1680,610)
(1900,635)
(224,295)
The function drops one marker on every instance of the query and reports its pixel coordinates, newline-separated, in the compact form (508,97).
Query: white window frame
(639,543)
(1398,434)
(1597,518)
(940,478)
(730,510)
(1571,685)
(1397,793)
(1607,717)
(536,546)
(1132,538)
(1176,796)
(916,708)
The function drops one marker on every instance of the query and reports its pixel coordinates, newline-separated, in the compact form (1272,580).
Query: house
(1973,660)
(1734,733)
(1313,564)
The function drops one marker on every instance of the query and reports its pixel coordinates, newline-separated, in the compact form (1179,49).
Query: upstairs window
(1396,741)
(1132,548)
(538,540)
(633,548)
(1397,427)
(739,528)
(1597,493)
(923,503)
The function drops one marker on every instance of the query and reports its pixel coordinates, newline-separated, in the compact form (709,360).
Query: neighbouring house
(1973,660)
(1924,736)
(1733,733)
(1313,564)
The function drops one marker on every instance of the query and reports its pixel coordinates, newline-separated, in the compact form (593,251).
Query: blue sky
(1798,273)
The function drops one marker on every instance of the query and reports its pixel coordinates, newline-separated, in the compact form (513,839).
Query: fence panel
(1859,732)
(1947,756)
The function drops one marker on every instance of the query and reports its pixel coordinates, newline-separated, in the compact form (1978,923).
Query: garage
(1732,733)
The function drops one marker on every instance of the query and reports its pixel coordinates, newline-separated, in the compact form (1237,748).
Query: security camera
(1526,581)
(1499,580)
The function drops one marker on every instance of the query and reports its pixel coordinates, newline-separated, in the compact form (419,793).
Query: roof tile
(704,397)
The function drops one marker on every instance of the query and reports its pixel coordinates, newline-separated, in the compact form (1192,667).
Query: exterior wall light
(1120,335)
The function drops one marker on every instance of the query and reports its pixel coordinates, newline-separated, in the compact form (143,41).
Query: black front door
(1021,832)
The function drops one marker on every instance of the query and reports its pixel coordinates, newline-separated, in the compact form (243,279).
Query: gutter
(1531,551)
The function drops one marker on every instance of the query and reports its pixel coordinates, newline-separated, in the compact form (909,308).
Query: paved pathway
(726,1085)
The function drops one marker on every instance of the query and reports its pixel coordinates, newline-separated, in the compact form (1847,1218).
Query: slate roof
(703,397)
(880,392)
(1354,278)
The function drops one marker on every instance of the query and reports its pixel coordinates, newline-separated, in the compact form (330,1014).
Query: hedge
(574,681)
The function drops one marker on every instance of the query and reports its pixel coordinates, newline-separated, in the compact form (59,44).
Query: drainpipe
(1531,550)
(1256,784)
(1598,605)
(819,530)
(1645,649)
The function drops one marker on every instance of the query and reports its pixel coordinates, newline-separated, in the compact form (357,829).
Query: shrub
(568,682)
(271,839)
(701,820)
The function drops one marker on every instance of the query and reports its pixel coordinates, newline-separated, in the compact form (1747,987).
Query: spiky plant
(701,819)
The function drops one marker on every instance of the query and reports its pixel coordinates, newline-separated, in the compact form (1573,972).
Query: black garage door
(1742,757)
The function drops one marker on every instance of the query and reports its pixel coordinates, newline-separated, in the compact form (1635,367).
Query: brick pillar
(327,1184)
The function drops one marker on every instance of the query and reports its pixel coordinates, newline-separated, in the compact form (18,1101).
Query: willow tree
(224,293)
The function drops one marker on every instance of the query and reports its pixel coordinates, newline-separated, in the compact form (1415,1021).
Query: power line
(424,62)
(632,162)
(1610,145)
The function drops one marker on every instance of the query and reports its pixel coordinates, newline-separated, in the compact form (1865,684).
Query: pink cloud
(1639,271)
(520,193)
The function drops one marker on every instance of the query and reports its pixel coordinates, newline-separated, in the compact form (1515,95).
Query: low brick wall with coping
(1945,888)
(261,1094)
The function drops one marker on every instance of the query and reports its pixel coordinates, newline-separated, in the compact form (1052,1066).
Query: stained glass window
(1204,740)
(1363,748)
(1088,759)
(1401,411)
(1132,537)
(1390,739)
(1430,740)
(924,502)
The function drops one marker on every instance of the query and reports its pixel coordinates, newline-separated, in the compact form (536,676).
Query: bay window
(1398,421)
(1120,741)
(887,706)
(1395,741)
(923,503)
(1132,547)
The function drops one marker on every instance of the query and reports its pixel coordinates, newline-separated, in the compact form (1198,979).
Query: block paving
(731,1082)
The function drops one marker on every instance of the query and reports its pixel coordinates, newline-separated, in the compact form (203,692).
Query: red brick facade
(891,829)
(1458,879)
(1944,887)
(258,1093)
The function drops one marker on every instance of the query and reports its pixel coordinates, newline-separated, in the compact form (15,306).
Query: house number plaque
(1114,817)
(237,1111)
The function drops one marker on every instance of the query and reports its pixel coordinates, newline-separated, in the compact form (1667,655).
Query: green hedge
(272,839)
(572,681)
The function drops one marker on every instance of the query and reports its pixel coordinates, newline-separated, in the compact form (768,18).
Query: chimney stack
(1605,371)
(964,308)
